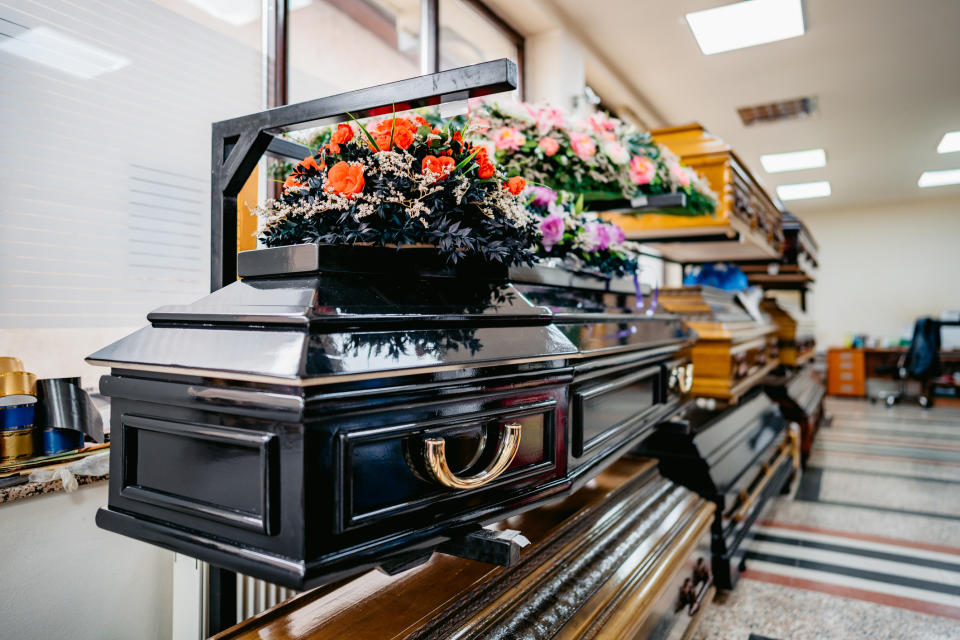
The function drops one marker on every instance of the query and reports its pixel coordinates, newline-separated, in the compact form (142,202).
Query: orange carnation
(343,134)
(291,182)
(309,163)
(485,171)
(515,185)
(401,129)
(441,166)
(345,179)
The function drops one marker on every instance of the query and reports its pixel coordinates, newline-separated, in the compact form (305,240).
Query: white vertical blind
(105,113)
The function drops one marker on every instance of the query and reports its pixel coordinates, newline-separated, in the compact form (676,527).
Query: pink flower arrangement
(509,138)
(549,145)
(583,146)
(549,118)
(642,170)
(551,228)
(598,237)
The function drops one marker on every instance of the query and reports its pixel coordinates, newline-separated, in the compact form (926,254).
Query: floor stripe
(866,537)
(810,482)
(918,453)
(953,435)
(879,416)
(879,474)
(920,606)
(856,582)
(859,551)
(820,450)
(870,440)
(892,571)
(874,507)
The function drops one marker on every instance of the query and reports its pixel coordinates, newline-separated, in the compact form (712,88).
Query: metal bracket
(499,547)
(239,143)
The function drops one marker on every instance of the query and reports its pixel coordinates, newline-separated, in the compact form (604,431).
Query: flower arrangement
(402,182)
(601,157)
(579,237)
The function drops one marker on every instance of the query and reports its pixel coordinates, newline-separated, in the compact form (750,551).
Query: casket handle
(436,457)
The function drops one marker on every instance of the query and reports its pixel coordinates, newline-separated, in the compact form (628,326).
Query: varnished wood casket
(626,556)
(734,350)
(341,408)
(795,334)
(747,224)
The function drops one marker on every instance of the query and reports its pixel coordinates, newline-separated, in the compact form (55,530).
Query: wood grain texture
(599,561)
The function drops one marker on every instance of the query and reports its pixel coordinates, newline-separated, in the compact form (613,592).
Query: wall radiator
(191,597)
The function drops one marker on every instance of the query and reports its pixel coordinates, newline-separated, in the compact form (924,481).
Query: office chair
(920,362)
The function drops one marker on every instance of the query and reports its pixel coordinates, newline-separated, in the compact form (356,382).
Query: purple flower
(551,228)
(543,196)
(616,234)
(598,236)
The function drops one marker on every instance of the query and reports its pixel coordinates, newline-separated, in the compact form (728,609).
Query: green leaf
(578,207)
(466,160)
(365,132)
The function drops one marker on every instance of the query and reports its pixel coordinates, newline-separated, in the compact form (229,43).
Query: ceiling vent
(776,111)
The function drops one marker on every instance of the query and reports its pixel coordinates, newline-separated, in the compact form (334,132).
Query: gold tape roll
(18,383)
(8,364)
(16,444)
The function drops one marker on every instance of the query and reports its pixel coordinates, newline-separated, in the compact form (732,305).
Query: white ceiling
(886,73)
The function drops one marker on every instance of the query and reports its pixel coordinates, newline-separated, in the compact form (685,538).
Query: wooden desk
(849,369)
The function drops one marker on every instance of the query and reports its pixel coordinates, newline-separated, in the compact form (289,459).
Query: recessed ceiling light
(746,24)
(54,49)
(804,190)
(939,178)
(950,142)
(793,161)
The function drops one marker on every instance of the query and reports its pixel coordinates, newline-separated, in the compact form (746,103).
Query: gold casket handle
(436,457)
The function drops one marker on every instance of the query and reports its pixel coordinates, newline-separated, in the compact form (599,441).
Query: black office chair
(921,362)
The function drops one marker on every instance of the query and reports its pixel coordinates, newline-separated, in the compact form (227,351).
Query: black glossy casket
(341,408)
(739,458)
(800,396)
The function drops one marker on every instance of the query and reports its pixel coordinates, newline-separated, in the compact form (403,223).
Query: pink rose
(549,146)
(551,228)
(509,138)
(583,146)
(549,117)
(680,174)
(642,170)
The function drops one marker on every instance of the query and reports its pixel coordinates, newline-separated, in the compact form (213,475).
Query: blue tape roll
(16,417)
(60,440)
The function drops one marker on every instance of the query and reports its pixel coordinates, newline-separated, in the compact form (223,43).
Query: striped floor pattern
(869,545)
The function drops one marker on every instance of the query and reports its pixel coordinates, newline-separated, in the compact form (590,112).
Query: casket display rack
(345,407)
(796,268)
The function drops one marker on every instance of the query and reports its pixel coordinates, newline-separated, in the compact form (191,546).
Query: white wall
(883,266)
(65,578)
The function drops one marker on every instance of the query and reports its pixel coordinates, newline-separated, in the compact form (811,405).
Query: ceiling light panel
(793,161)
(746,24)
(939,178)
(57,50)
(950,142)
(804,190)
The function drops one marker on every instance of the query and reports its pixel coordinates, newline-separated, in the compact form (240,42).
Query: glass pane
(467,37)
(341,45)
(105,153)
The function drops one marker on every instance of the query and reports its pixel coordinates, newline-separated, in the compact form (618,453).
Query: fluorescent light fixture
(939,178)
(793,161)
(746,24)
(52,48)
(804,190)
(950,142)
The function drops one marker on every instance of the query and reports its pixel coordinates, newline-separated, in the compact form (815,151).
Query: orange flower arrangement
(345,178)
(400,181)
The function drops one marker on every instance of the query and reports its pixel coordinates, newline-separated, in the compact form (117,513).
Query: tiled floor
(869,547)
